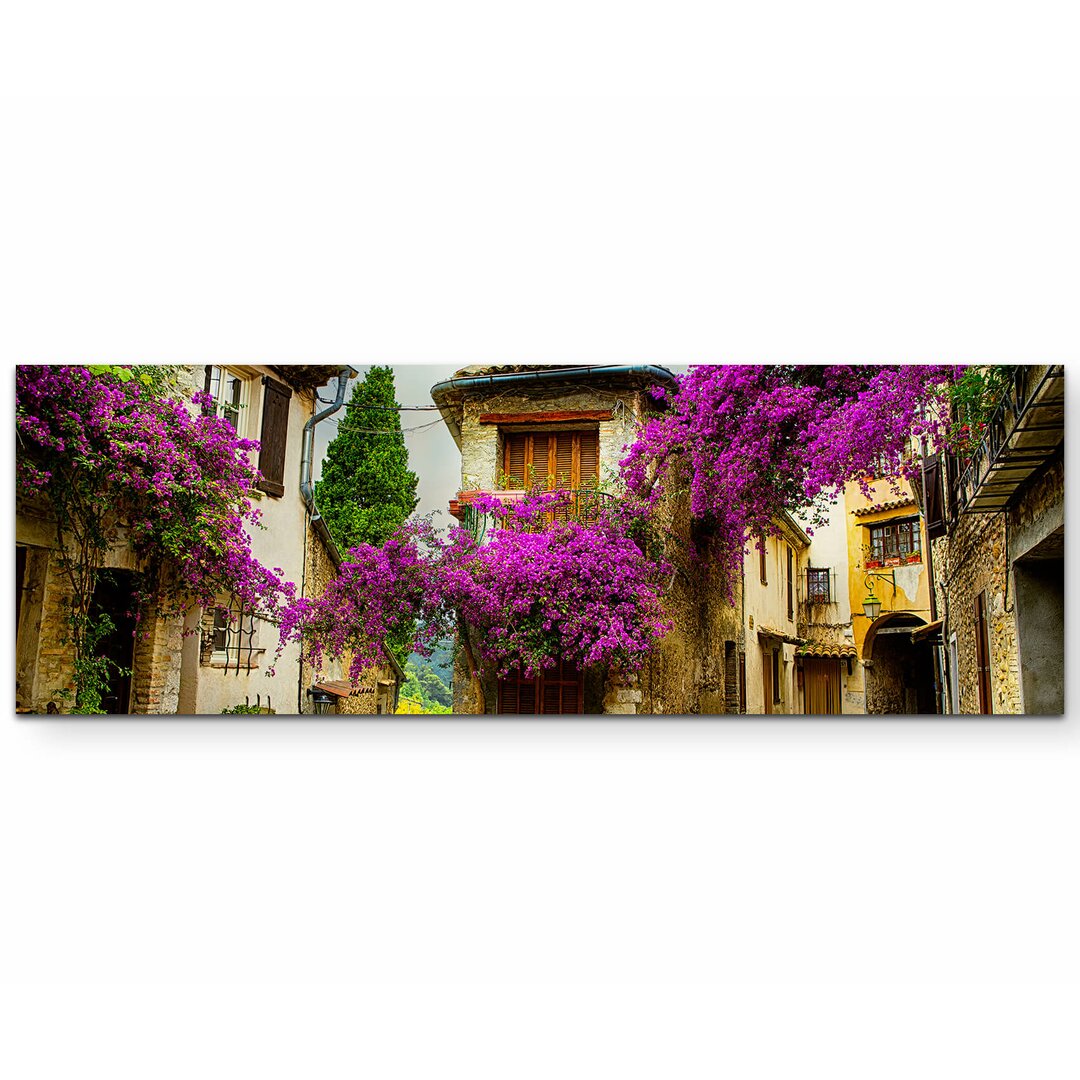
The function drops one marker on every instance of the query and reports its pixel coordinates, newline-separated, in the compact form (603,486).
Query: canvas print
(540,540)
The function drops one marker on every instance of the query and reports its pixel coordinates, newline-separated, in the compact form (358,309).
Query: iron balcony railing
(584,505)
(1025,431)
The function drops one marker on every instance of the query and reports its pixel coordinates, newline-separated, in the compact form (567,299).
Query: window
(790,583)
(897,540)
(227,388)
(742,682)
(982,654)
(818,586)
(558,690)
(763,560)
(569,460)
(954,676)
(236,637)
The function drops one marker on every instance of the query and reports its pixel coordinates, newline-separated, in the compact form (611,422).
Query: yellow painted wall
(904,587)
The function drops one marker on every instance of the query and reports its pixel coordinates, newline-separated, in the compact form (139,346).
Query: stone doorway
(900,673)
(114,596)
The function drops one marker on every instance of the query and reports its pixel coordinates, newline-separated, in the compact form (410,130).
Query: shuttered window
(790,583)
(274,437)
(557,691)
(559,459)
(982,654)
(935,498)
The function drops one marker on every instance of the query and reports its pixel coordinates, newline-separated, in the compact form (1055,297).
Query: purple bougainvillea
(119,461)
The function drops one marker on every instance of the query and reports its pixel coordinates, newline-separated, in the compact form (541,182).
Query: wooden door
(821,686)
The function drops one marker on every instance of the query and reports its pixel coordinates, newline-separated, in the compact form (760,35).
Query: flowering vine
(119,462)
(744,443)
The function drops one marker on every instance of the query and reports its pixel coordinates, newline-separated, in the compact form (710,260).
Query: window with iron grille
(818,586)
(236,637)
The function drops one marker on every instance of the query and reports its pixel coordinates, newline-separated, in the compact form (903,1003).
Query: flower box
(873,564)
(892,560)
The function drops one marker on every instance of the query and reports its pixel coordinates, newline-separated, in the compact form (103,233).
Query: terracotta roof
(891,504)
(829,650)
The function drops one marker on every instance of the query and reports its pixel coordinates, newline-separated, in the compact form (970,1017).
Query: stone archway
(899,672)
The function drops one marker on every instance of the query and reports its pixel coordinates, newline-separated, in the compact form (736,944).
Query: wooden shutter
(559,690)
(514,462)
(934,498)
(563,461)
(982,654)
(589,459)
(566,459)
(274,437)
(508,696)
(742,682)
(790,584)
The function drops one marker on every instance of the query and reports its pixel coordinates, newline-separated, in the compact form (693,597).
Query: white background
(558,899)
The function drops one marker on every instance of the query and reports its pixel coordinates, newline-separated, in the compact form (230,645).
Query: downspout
(307,491)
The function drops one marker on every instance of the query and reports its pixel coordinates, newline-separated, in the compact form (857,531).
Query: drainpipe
(307,488)
(307,491)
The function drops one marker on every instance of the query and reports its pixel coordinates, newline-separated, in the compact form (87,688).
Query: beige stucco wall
(209,687)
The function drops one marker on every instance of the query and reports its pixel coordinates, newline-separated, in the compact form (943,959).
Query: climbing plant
(118,460)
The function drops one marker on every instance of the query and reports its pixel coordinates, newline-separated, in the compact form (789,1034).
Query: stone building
(997,528)
(567,427)
(206,662)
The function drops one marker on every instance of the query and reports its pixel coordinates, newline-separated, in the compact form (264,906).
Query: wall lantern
(872,605)
(321,699)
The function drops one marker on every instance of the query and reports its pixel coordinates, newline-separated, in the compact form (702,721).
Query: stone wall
(970,560)
(978,555)
(377,686)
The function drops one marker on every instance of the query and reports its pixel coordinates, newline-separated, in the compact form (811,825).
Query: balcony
(583,505)
(1024,433)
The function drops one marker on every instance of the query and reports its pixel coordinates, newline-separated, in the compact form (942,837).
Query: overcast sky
(433,454)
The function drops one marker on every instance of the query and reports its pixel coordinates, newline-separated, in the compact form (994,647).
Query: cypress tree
(366,490)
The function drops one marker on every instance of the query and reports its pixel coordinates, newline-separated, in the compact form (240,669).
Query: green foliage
(242,710)
(366,490)
(973,399)
(424,685)
(92,672)
(441,660)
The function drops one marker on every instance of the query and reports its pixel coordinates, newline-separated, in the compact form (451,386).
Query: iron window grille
(818,586)
(236,636)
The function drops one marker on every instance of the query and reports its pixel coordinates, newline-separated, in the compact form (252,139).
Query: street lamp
(321,699)
(872,605)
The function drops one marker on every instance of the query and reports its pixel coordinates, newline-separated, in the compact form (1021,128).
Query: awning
(340,687)
(780,635)
(920,633)
(828,651)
